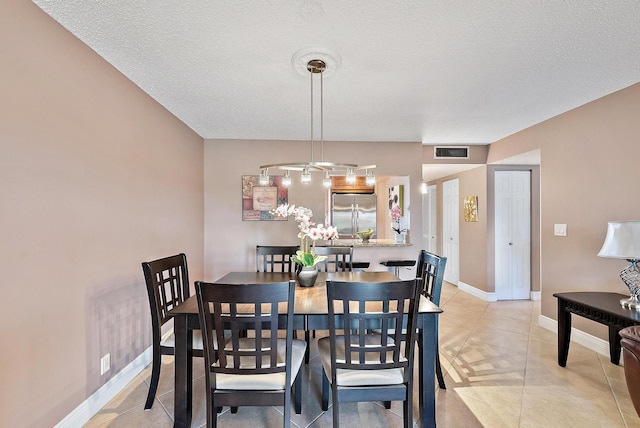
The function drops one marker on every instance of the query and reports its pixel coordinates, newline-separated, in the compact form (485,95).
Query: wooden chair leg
(408,408)
(155,377)
(212,416)
(297,390)
(441,383)
(325,391)
(336,408)
(307,338)
(287,408)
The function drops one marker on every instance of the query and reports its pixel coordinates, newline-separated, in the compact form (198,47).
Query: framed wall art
(258,199)
(396,198)
(471,208)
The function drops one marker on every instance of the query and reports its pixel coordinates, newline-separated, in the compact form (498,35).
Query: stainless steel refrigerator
(352,213)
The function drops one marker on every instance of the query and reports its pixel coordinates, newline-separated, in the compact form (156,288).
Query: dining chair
(430,270)
(167,281)
(261,370)
(275,258)
(339,259)
(360,366)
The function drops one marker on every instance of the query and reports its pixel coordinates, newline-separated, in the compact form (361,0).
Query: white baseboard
(588,341)
(480,294)
(92,405)
(489,297)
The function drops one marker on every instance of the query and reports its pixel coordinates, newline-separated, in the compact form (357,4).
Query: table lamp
(623,242)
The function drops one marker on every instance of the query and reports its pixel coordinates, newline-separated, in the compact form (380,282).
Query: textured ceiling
(440,72)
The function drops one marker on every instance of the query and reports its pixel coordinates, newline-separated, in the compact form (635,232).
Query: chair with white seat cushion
(431,270)
(167,281)
(360,366)
(338,259)
(260,368)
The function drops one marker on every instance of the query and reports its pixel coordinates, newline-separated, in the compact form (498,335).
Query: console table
(604,308)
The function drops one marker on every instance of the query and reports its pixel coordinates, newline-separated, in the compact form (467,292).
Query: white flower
(308,231)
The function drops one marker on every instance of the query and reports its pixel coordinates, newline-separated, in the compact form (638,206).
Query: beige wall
(95,177)
(473,235)
(477,244)
(589,175)
(230,242)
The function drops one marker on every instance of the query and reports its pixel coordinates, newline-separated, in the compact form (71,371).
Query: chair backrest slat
(431,270)
(339,259)
(374,305)
(167,281)
(275,258)
(241,307)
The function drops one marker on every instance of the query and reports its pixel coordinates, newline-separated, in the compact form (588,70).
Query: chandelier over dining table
(318,62)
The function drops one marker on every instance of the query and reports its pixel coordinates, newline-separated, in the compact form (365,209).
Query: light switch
(560,229)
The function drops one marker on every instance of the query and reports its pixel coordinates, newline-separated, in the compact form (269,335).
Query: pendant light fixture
(317,62)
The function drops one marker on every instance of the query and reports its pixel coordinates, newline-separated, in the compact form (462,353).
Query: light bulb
(351,176)
(264,177)
(286,180)
(305,177)
(326,182)
(370,180)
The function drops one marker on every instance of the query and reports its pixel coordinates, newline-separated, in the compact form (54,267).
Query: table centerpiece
(309,233)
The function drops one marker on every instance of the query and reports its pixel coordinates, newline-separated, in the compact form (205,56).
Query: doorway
(451,230)
(429,225)
(512,235)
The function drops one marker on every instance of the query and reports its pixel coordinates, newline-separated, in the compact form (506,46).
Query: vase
(307,276)
(400,238)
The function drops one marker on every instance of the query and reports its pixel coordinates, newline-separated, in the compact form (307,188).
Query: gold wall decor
(259,200)
(471,208)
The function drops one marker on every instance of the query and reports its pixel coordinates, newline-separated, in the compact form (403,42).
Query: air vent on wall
(454,152)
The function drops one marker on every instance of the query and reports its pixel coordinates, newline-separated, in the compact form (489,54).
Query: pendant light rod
(322,116)
(311,77)
(317,61)
(317,66)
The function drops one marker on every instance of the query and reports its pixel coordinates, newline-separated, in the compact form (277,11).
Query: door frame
(513,249)
(535,227)
(430,236)
(452,273)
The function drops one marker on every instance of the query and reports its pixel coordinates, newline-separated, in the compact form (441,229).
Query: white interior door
(429,225)
(513,234)
(451,230)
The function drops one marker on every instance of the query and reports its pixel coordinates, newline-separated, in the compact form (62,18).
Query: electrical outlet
(105,364)
(560,229)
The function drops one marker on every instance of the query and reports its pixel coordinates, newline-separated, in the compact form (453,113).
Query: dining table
(310,313)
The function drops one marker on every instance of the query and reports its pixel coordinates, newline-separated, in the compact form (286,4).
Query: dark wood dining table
(310,313)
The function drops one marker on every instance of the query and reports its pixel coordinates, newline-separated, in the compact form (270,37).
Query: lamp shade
(622,241)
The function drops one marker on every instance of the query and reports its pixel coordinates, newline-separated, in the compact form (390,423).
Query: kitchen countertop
(358,243)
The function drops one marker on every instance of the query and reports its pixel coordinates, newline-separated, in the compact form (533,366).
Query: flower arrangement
(395,216)
(309,233)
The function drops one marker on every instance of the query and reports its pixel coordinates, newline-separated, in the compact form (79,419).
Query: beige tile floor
(500,369)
